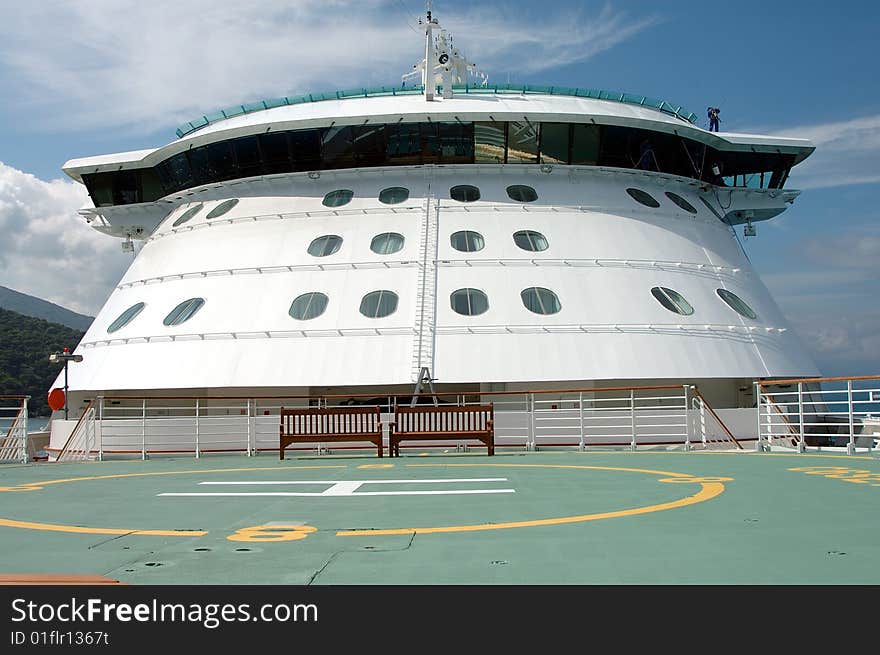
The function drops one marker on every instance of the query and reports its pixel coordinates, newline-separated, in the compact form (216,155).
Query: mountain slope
(31,306)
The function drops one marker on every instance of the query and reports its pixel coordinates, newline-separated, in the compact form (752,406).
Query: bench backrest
(443,418)
(330,420)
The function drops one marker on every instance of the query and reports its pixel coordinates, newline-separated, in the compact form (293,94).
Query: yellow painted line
(53,527)
(708,490)
(37,485)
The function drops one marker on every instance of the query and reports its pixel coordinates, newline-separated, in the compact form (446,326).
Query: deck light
(65,356)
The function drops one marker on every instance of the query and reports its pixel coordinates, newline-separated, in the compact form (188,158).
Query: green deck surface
(766,524)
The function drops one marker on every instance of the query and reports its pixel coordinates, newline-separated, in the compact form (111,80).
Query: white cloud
(147,65)
(47,250)
(847,152)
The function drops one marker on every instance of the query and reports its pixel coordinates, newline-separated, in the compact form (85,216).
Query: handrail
(75,429)
(770,383)
(716,417)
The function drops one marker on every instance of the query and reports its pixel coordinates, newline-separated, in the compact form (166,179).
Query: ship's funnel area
(443,65)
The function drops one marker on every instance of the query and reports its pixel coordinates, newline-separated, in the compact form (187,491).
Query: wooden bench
(429,423)
(329,425)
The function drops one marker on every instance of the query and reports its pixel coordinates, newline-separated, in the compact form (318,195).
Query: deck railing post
(530,444)
(687,419)
(100,421)
(144,429)
(583,444)
(24,429)
(632,418)
(198,452)
(802,444)
(851,446)
(759,444)
(252,424)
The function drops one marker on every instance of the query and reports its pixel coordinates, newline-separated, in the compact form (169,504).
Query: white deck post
(632,418)
(143,428)
(583,444)
(100,403)
(851,446)
(198,452)
(802,444)
(687,420)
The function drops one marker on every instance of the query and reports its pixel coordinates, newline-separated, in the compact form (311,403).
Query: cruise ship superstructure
(501,237)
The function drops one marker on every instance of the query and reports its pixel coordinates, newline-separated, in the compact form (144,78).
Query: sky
(101,76)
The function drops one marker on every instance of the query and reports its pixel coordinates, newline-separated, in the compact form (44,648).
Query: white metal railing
(13,428)
(621,417)
(814,413)
(83,442)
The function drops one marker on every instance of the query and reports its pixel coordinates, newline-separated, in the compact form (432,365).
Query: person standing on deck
(713,118)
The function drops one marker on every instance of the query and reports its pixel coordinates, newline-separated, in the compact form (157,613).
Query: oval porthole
(467,241)
(469,302)
(325,245)
(736,303)
(338,198)
(393,195)
(540,300)
(188,214)
(387,243)
(672,300)
(184,311)
(222,208)
(681,202)
(530,240)
(464,193)
(308,306)
(643,198)
(522,193)
(379,304)
(126,317)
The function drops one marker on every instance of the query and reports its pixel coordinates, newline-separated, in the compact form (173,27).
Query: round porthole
(540,300)
(222,208)
(530,240)
(681,202)
(338,198)
(188,214)
(387,243)
(672,300)
(736,303)
(184,311)
(308,306)
(379,304)
(467,241)
(325,245)
(522,193)
(126,317)
(393,195)
(469,302)
(643,198)
(464,193)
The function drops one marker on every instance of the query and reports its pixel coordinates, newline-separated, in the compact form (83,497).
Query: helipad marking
(51,527)
(708,490)
(347,488)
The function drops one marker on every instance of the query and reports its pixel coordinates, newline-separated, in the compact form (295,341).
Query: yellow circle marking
(708,490)
(268,533)
(376,466)
(679,480)
(78,529)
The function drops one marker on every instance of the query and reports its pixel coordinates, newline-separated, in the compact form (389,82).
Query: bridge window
(643,198)
(585,144)
(184,311)
(540,300)
(681,202)
(489,143)
(393,195)
(222,208)
(187,215)
(464,193)
(672,300)
(126,317)
(530,240)
(522,193)
(736,303)
(338,198)
(308,306)
(469,302)
(387,243)
(555,143)
(325,245)
(379,304)
(522,142)
(467,241)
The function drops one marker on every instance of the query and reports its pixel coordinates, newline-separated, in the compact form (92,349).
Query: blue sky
(111,75)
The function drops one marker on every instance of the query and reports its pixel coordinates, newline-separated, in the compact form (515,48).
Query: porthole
(188,214)
(308,306)
(464,193)
(126,317)
(467,241)
(222,208)
(540,300)
(530,240)
(184,311)
(672,300)
(681,202)
(393,195)
(325,245)
(522,193)
(387,243)
(469,302)
(338,198)
(736,303)
(379,304)
(643,198)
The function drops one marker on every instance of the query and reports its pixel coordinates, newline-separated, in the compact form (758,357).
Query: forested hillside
(25,345)
(38,308)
